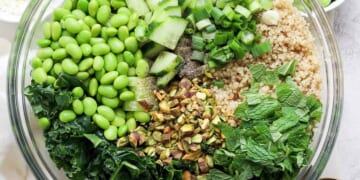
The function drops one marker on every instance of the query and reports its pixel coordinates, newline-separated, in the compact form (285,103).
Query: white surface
(344,163)
(11,10)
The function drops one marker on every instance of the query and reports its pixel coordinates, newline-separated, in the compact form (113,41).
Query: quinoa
(290,39)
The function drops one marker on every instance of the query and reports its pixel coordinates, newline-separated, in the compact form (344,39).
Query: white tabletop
(345,160)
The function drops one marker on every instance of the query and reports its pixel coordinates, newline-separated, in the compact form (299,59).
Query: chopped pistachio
(150,151)
(157,136)
(187,129)
(192,155)
(211,140)
(165,138)
(209,161)
(204,124)
(150,141)
(164,106)
(134,139)
(203,165)
(196,139)
(164,154)
(123,141)
(216,120)
(201,95)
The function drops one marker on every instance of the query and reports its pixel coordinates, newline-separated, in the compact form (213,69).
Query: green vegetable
(44,123)
(261,49)
(274,136)
(165,63)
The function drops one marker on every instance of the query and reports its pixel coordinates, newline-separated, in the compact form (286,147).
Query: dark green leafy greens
(79,148)
(274,136)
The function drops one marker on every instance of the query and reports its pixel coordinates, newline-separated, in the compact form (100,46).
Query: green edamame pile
(96,42)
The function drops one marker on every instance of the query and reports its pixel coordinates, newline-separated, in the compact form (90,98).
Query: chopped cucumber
(164,80)
(143,89)
(153,4)
(165,62)
(152,49)
(133,106)
(168,32)
(167,3)
(138,6)
(173,11)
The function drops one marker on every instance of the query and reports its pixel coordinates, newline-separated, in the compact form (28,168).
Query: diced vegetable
(164,80)
(168,32)
(152,49)
(138,6)
(165,62)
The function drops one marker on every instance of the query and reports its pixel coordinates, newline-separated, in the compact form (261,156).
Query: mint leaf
(289,95)
(240,111)
(257,71)
(287,69)
(258,154)
(215,174)
(263,110)
(270,78)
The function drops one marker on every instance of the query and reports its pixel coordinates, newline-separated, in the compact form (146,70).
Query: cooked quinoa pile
(290,39)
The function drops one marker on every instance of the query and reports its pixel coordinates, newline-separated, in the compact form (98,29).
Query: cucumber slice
(167,3)
(164,80)
(153,4)
(138,6)
(133,106)
(152,49)
(143,89)
(168,32)
(164,63)
(173,11)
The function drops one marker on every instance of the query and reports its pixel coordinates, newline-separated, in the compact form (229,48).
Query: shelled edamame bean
(101,47)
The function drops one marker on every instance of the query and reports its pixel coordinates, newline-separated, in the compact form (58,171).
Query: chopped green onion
(211,28)
(221,3)
(221,38)
(203,24)
(221,55)
(189,31)
(226,24)
(210,46)
(200,14)
(217,14)
(208,36)
(246,37)
(238,49)
(266,4)
(255,6)
(197,43)
(197,55)
(229,12)
(218,84)
(191,19)
(243,11)
(261,49)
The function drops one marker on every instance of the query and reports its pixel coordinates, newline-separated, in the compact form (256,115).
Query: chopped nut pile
(184,125)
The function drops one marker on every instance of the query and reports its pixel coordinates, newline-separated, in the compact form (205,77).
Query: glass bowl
(29,135)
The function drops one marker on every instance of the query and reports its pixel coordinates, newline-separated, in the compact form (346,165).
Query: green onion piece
(255,6)
(221,38)
(197,56)
(246,37)
(189,31)
(238,49)
(221,3)
(243,11)
(210,46)
(217,14)
(237,25)
(226,24)
(221,55)
(212,64)
(200,14)
(191,19)
(203,24)
(197,43)
(211,28)
(261,49)
(208,36)
(266,4)
(229,12)
(218,84)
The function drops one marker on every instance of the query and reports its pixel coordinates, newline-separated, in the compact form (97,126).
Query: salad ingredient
(67,115)
(270,17)
(44,123)
(165,63)
(168,32)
